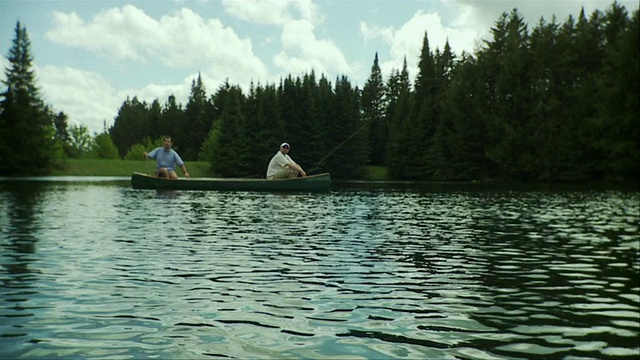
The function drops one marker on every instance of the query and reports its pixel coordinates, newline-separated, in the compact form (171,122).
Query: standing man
(167,159)
(282,166)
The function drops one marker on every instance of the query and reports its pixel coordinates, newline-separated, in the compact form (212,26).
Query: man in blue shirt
(167,159)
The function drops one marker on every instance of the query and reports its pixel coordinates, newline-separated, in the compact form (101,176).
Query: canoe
(320,182)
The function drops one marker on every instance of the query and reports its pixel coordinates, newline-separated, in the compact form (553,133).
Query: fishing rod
(337,147)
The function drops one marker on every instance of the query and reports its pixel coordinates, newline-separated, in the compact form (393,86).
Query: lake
(93,269)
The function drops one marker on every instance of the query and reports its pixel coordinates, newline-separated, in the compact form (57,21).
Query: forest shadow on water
(94,270)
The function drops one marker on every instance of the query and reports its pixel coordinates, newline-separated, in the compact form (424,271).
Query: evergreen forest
(552,102)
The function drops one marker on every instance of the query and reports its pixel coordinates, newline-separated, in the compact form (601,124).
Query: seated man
(167,159)
(282,166)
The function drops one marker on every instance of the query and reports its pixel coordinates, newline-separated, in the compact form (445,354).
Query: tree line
(555,103)
(239,132)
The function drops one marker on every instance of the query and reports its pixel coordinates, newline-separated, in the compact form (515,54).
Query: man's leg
(286,173)
(292,174)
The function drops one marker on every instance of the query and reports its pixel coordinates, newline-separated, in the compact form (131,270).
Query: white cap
(284,144)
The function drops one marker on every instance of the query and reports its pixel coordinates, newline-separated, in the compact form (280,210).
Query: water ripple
(98,271)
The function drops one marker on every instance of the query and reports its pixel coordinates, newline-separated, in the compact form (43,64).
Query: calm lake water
(94,269)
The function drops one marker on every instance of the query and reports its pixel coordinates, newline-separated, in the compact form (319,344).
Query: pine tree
(398,95)
(460,110)
(230,135)
(373,104)
(266,127)
(198,123)
(440,153)
(290,98)
(508,114)
(172,119)
(420,126)
(581,59)
(348,143)
(153,120)
(129,127)
(27,141)
(617,102)
(61,125)
(327,133)
(310,141)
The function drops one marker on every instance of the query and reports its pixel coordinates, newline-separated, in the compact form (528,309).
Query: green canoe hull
(320,182)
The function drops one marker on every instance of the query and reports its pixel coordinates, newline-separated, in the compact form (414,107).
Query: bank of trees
(558,102)
(239,132)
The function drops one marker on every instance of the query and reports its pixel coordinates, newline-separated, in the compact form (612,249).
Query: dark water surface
(94,269)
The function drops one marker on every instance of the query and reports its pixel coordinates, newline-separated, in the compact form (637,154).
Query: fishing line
(342,143)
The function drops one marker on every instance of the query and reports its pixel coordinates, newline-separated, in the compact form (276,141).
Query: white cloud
(302,52)
(86,98)
(90,99)
(267,12)
(120,33)
(259,12)
(151,92)
(181,39)
(373,31)
(406,41)
(4,63)
(467,24)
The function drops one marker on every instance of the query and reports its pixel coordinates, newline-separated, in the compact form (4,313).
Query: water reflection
(19,226)
(370,273)
(551,262)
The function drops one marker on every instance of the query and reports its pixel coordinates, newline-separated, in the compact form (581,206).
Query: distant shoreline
(109,167)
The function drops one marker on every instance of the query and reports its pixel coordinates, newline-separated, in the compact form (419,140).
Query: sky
(91,55)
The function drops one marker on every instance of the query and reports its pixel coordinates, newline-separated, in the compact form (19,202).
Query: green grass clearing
(107,167)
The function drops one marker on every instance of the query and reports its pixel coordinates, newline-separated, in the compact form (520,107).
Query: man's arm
(149,155)
(297,168)
(184,170)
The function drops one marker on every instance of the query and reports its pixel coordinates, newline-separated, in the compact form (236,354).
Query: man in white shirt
(282,166)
